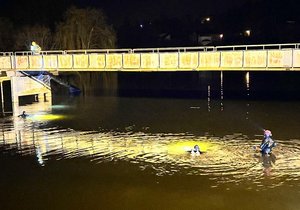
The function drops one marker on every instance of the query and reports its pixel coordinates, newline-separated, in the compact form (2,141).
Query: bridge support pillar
(14,95)
(2,98)
(24,86)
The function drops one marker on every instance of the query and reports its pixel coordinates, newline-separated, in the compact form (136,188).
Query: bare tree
(40,34)
(84,29)
(87,29)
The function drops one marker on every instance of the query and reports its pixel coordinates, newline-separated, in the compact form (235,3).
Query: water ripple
(227,160)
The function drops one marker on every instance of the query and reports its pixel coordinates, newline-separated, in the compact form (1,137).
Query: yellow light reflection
(185,146)
(231,157)
(247,78)
(46,117)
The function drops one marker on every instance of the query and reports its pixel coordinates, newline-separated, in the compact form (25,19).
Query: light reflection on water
(229,160)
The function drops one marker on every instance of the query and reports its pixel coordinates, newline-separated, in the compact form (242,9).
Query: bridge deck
(279,57)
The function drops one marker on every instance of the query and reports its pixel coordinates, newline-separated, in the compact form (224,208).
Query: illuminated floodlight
(205,20)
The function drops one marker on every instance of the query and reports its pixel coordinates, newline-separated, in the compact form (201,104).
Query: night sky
(49,11)
(118,9)
(137,9)
(269,20)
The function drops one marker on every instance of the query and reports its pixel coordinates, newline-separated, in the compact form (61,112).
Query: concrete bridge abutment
(22,85)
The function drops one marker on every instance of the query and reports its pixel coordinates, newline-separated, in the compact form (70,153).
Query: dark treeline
(74,28)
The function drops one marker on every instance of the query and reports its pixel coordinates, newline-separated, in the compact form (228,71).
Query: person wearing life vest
(267,143)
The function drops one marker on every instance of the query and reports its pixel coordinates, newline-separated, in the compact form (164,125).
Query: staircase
(45,78)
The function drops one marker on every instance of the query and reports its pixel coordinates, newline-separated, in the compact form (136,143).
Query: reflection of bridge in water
(239,57)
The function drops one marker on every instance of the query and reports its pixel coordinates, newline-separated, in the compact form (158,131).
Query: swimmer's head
(196,148)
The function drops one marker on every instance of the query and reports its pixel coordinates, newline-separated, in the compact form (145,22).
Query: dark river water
(131,153)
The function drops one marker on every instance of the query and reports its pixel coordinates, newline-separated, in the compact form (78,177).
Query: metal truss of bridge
(270,57)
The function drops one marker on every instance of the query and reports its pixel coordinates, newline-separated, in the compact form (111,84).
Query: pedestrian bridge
(272,57)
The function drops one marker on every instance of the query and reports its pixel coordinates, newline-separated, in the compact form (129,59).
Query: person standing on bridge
(35,48)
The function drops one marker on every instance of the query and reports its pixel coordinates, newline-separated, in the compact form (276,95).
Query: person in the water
(23,115)
(267,143)
(196,150)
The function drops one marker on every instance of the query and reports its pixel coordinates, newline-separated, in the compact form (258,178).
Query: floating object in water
(23,115)
(196,150)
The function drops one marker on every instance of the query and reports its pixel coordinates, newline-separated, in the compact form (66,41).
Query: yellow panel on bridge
(5,62)
(97,61)
(50,61)
(81,61)
(36,61)
(209,60)
(189,60)
(149,61)
(114,61)
(232,59)
(296,58)
(279,58)
(255,58)
(168,60)
(132,61)
(22,62)
(65,61)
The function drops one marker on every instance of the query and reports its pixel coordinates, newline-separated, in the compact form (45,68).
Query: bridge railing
(259,47)
(235,57)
